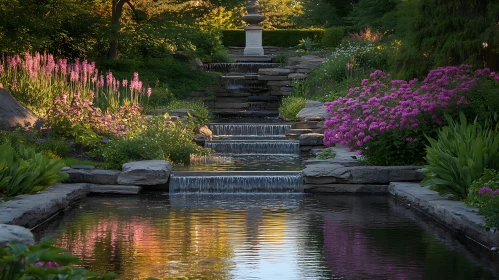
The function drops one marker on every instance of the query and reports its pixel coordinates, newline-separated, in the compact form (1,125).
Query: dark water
(264,237)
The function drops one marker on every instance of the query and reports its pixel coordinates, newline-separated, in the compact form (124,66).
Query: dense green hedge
(277,38)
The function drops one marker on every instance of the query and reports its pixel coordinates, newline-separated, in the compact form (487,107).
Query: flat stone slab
(9,233)
(274,71)
(272,78)
(30,210)
(346,188)
(454,214)
(317,113)
(97,176)
(305,125)
(145,173)
(312,103)
(326,173)
(114,189)
(297,76)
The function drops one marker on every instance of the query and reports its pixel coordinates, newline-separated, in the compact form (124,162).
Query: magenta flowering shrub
(36,80)
(381,105)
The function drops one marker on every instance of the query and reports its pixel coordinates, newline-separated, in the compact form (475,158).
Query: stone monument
(253,31)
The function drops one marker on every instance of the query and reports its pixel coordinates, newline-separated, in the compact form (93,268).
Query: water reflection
(261,237)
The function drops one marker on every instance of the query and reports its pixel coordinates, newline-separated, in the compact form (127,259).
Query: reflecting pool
(263,237)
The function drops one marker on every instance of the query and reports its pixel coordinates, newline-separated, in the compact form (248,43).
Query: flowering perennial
(381,104)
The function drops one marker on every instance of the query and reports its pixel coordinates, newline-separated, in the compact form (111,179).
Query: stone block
(312,139)
(385,174)
(312,104)
(97,176)
(279,83)
(312,114)
(273,78)
(305,125)
(298,131)
(346,188)
(273,71)
(10,233)
(145,173)
(114,189)
(297,76)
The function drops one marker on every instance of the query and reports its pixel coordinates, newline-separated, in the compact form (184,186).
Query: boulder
(297,76)
(9,233)
(312,114)
(13,114)
(102,177)
(312,139)
(273,71)
(145,173)
(337,171)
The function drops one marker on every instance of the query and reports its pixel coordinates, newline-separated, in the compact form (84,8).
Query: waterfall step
(249,129)
(238,67)
(245,113)
(248,147)
(236,182)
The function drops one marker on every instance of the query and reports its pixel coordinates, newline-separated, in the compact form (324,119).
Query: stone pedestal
(253,41)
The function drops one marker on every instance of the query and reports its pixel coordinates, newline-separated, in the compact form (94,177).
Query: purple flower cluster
(488,191)
(382,104)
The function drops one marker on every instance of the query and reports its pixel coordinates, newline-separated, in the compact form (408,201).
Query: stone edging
(453,214)
(25,212)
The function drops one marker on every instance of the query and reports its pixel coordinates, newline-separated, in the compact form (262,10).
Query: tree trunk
(117,11)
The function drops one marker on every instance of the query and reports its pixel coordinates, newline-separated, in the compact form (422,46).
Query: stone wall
(280,80)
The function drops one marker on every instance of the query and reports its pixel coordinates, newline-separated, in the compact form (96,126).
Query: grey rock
(273,71)
(298,131)
(30,210)
(279,83)
(312,114)
(385,174)
(312,139)
(337,171)
(14,114)
(346,188)
(297,76)
(182,112)
(9,233)
(312,104)
(145,173)
(103,177)
(305,125)
(272,78)
(82,166)
(114,189)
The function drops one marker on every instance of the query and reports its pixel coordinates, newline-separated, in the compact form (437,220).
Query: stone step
(263,98)
(231,105)
(244,113)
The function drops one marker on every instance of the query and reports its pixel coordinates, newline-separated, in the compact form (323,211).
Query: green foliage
(405,147)
(483,100)
(326,154)
(277,38)
(290,106)
(26,171)
(306,45)
(459,156)
(120,151)
(159,139)
(484,194)
(368,12)
(43,261)
(171,78)
(333,36)
(53,147)
(201,110)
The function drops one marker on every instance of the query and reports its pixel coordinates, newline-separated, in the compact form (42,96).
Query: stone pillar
(253,41)
(253,31)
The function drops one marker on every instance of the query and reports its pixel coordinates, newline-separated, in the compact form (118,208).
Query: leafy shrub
(333,36)
(201,109)
(27,172)
(159,139)
(398,147)
(277,38)
(120,151)
(43,261)
(290,106)
(459,156)
(484,194)
(45,143)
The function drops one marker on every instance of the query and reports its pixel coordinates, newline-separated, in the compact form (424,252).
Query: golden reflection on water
(180,243)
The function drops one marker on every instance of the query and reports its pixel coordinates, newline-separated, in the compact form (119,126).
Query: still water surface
(263,237)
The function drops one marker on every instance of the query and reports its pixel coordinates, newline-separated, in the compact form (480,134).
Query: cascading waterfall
(239,67)
(248,130)
(264,147)
(226,183)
